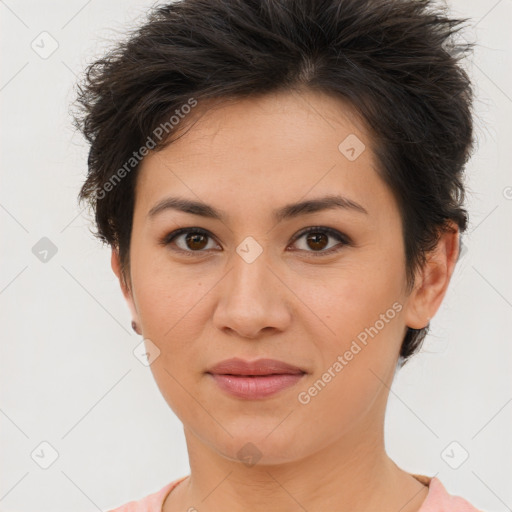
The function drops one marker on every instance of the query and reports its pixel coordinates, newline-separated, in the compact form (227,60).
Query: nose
(252,299)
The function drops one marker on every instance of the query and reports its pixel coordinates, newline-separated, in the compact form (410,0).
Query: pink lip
(255,379)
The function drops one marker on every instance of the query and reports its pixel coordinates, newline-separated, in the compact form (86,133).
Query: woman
(281,185)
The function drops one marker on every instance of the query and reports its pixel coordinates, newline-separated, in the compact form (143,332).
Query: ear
(127,293)
(433,279)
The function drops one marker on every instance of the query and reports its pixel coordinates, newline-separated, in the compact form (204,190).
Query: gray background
(67,372)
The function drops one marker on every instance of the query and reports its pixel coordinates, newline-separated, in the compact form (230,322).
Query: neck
(351,473)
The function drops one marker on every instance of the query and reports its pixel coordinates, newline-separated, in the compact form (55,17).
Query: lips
(238,366)
(251,380)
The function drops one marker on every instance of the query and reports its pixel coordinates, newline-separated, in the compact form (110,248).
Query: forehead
(274,145)
(283,116)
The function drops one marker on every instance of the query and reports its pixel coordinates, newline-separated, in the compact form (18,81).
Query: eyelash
(343,239)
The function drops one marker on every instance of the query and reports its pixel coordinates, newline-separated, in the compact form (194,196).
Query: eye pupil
(195,238)
(314,237)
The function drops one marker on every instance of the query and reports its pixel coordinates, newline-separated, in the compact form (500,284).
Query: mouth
(254,380)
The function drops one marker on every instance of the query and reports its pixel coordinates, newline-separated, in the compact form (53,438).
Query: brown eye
(316,240)
(196,241)
(189,240)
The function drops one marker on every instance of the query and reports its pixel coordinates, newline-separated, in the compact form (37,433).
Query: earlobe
(433,280)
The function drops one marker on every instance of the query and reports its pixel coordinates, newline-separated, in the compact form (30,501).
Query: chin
(260,444)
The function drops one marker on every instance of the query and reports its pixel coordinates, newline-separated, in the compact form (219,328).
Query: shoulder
(438,499)
(151,503)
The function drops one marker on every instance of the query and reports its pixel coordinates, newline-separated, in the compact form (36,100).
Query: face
(249,283)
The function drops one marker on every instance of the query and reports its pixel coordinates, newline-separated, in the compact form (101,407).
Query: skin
(292,303)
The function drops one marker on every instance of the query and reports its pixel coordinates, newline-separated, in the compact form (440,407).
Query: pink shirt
(437,500)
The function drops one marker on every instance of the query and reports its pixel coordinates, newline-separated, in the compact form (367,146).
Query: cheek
(347,384)
(172,311)
(167,295)
(362,306)
(351,298)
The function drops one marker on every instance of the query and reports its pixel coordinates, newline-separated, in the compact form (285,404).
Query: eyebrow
(284,213)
